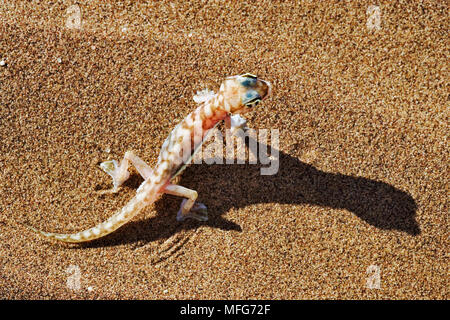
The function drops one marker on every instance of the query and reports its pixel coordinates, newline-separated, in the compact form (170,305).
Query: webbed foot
(198,212)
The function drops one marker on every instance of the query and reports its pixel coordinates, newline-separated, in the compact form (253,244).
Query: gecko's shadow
(222,187)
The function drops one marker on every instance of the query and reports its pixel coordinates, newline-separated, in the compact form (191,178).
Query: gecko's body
(236,95)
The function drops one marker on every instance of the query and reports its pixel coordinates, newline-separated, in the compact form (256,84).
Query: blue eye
(248,82)
(250,95)
(251,98)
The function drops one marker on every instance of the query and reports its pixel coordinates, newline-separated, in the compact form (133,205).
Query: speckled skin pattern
(237,94)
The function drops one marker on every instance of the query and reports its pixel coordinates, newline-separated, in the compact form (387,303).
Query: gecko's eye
(251,98)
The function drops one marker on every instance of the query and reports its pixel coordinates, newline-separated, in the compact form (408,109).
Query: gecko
(237,95)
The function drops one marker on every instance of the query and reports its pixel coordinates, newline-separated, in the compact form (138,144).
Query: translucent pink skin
(231,99)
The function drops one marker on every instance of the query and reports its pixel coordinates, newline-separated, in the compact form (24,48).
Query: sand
(357,210)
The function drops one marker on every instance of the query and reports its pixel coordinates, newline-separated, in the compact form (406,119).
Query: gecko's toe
(198,212)
(118,174)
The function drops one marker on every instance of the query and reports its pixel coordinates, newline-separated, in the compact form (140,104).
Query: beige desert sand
(360,98)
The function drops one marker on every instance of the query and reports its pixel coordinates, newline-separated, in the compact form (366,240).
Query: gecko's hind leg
(119,172)
(190,209)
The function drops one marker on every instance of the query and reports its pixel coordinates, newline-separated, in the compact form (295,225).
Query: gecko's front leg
(189,207)
(235,122)
(119,172)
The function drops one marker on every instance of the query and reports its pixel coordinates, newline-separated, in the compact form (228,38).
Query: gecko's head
(244,92)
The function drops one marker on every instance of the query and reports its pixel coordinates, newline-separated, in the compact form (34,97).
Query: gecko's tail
(143,198)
